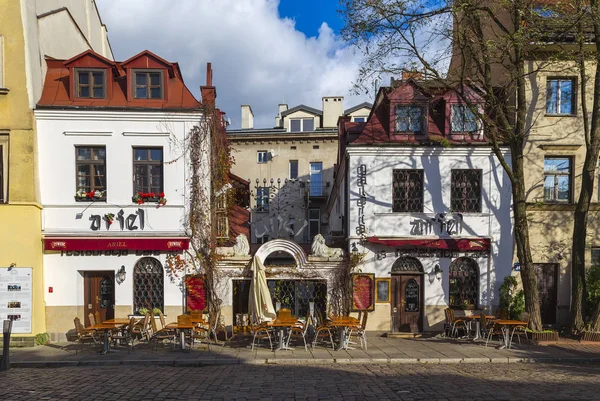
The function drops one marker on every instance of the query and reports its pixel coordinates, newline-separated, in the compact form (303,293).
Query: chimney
(278,121)
(333,108)
(416,75)
(208,92)
(247,117)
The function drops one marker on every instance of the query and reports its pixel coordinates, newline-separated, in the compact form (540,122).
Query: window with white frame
(3,168)
(302,124)
(359,119)
(557,179)
(293,169)
(560,96)
(262,156)
(262,199)
(463,119)
(409,119)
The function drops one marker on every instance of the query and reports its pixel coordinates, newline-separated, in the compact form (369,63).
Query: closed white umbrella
(259,302)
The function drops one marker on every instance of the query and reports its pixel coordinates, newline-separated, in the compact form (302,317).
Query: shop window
(148,170)
(148,285)
(465,192)
(409,119)
(463,119)
(262,199)
(560,96)
(147,85)
(407,190)
(90,84)
(464,283)
(90,164)
(557,179)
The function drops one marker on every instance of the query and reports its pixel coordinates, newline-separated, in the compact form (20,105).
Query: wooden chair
(456,323)
(92,319)
(161,335)
(125,336)
(360,331)
(84,336)
(142,330)
(522,329)
(322,330)
(490,328)
(216,326)
(163,323)
(299,330)
(97,316)
(260,331)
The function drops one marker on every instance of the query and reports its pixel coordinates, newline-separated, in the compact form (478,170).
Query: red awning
(110,244)
(462,244)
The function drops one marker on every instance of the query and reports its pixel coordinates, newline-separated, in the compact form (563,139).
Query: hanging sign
(363,292)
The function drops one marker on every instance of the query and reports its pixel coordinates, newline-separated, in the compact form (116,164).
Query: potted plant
(142,197)
(143,311)
(156,311)
(92,196)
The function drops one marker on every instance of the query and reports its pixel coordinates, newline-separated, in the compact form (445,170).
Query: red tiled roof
(57,91)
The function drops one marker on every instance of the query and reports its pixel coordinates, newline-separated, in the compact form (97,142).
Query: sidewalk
(381,350)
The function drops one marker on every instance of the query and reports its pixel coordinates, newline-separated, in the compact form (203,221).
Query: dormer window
(147,85)
(463,119)
(302,124)
(409,119)
(90,84)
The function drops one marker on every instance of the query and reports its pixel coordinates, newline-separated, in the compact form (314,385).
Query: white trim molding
(88,133)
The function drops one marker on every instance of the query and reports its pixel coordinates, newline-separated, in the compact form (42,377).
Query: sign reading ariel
(131,222)
(363,292)
(95,246)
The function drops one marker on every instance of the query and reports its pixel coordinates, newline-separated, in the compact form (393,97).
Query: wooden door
(407,303)
(99,294)
(547,282)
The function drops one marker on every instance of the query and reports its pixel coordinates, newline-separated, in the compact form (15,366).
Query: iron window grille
(407,190)
(90,84)
(464,283)
(407,264)
(148,170)
(148,285)
(463,119)
(560,96)
(147,85)
(465,191)
(557,179)
(262,199)
(90,164)
(409,119)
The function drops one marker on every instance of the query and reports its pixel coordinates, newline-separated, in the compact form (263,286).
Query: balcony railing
(318,189)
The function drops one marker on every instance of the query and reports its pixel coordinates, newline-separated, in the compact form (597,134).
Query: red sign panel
(462,244)
(363,292)
(111,244)
(196,293)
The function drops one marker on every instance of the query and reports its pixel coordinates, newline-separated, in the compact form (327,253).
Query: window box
(92,196)
(149,197)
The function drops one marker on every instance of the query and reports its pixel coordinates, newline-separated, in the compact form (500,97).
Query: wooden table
(343,323)
(283,324)
(116,321)
(506,325)
(106,329)
(181,329)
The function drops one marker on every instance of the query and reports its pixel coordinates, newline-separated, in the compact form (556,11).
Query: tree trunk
(521,230)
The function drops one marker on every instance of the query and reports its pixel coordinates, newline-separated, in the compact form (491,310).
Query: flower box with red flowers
(92,196)
(151,197)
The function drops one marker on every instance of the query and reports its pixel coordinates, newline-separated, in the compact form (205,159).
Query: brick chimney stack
(208,91)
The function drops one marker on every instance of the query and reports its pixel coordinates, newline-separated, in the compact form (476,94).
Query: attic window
(147,85)
(90,84)
(302,125)
(409,119)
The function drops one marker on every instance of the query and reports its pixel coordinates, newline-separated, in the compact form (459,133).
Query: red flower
(161,195)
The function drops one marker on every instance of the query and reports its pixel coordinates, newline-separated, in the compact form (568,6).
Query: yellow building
(28,32)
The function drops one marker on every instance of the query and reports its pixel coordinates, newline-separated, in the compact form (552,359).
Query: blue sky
(310,14)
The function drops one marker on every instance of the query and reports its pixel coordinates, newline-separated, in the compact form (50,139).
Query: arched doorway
(407,295)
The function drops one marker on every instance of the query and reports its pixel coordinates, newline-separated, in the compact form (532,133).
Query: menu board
(195,293)
(15,297)
(363,291)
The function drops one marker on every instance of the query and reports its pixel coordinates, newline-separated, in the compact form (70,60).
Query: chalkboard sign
(363,292)
(383,290)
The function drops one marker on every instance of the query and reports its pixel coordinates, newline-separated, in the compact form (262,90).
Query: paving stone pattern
(301,382)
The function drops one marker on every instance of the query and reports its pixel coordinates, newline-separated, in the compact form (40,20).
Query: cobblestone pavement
(289,382)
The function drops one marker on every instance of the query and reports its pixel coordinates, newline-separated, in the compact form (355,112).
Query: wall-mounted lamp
(435,273)
(121,275)
(13,264)
(354,248)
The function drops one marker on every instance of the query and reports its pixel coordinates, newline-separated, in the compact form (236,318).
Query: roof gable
(302,107)
(147,59)
(363,105)
(89,59)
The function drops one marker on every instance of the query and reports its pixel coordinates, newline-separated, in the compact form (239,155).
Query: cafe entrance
(407,295)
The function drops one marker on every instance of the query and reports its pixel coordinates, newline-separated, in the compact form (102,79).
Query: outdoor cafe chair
(84,336)
(490,329)
(299,330)
(360,331)
(161,335)
(92,319)
(455,323)
(260,331)
(125,336)
(142,329)
(521,329)
(98,318)
(322,330)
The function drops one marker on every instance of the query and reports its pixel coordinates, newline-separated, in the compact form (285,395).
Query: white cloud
(258,58)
